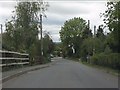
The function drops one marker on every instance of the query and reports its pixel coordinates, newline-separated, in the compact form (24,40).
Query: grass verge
(103,68)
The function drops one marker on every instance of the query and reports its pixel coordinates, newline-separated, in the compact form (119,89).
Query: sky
(60,11)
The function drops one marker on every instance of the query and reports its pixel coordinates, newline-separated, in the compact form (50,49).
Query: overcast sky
(59,12)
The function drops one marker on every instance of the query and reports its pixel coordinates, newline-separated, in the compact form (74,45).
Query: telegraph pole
(94,31)
(1,38)
(89,24)
(89,28)
(41,34)
(94,40)
(1,29)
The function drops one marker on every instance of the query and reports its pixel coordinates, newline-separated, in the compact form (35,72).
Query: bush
(46,60)
(109,60)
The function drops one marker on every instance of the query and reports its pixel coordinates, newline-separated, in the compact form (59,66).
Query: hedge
(110,60)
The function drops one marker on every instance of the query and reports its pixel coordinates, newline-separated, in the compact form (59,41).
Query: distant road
(64,74)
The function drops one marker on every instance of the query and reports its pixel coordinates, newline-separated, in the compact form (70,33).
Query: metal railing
(9,58)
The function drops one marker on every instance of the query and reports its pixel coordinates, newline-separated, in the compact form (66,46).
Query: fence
(13,59)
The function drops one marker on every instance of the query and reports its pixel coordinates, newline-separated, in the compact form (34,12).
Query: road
(64,74)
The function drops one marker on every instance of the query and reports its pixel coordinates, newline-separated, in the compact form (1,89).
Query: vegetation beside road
(103,68)
(98,48)
(109,60)
(22,32)
(106,69)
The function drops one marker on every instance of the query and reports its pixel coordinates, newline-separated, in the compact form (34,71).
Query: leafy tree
(112,20)
(25,21)
(107,50)
(48,45)
(87,44)
(98,45)
(111,42)
(35,53)
(100,33)
(7,37)
(87,48)
(22,31)
(92,45)
(87,33)
(71,35)
(100,36)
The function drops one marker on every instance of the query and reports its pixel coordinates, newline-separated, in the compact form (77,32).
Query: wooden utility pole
(94,40)
(88,24)
(41,34)
(1,29)
(1,37)
(88,28)
(94,31)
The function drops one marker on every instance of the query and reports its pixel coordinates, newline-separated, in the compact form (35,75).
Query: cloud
(67,8)
(6,8)
(56,38)
(52,29)
(53,19)
(7,4)
(59,12)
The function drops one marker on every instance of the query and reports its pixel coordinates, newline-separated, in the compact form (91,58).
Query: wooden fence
(9,58)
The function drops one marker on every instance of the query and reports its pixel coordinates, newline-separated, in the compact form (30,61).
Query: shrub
(109,60)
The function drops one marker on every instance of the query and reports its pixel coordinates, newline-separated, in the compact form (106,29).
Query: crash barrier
(13,59)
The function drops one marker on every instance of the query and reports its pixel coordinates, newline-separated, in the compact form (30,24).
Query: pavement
(64,73)
(16,72)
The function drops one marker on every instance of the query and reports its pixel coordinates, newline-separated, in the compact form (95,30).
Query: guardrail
(9,58)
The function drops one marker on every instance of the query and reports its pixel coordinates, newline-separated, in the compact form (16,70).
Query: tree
(48,45)
(107,50)
(86,33)
(23,28)
(87,48)
(100,36)
(111,42)
(7,37)
(22,31)
(100,33)
(112,20)
(71,36)
(26,22)
(58,49)
(87,43)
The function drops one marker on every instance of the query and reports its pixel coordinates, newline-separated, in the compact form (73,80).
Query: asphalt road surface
(64,74)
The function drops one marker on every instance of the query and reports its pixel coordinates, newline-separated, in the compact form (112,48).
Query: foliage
(48,45)
(22,31)
(58,49)
(87,48)
(111,54)
(103,48)
(109,60)
(107,50)
(112,20)
(100,33)
(71,36)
